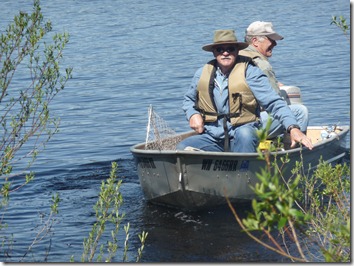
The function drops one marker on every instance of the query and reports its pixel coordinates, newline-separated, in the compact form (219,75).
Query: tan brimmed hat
(262,28)
(224,37)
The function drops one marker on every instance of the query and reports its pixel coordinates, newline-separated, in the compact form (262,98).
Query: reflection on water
(207,236)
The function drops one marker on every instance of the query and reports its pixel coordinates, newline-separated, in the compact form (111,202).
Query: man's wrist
(291,127)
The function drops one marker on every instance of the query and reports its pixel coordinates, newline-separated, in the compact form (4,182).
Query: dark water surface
(127,55)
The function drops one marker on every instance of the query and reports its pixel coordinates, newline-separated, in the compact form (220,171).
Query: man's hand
(297,136)
(196,123)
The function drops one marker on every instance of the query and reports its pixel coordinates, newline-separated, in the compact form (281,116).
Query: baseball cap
(262,28)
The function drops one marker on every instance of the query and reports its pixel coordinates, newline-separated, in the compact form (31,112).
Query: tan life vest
(242,103)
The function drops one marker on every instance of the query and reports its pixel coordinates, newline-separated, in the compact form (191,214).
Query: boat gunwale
(135,150)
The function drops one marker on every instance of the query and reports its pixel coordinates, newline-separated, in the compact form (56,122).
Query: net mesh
(159,136)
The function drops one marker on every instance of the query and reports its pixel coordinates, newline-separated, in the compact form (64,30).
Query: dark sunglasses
(223,49)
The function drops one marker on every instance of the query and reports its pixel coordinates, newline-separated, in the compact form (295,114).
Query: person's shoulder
(198,72)
(253,70)
(245,59)
(249,53)
(209,64)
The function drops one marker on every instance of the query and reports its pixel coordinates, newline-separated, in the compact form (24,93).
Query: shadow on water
(205,236)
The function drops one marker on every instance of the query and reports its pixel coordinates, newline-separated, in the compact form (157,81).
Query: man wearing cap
(262,39)
(224,99)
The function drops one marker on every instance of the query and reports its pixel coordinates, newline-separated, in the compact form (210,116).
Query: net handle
(149,124)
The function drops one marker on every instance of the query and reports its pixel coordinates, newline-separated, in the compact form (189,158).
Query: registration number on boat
(219,165)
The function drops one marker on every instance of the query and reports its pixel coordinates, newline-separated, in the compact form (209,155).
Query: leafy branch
(107,208)
(309,211)
(341,23)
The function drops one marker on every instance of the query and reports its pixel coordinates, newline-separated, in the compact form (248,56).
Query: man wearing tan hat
(223,102)
(262,39)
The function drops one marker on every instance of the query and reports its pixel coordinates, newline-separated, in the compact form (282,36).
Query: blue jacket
(261,88)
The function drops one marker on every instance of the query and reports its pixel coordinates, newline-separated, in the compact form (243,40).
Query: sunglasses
(225,49)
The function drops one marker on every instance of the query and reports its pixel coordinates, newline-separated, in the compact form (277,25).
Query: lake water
(127,55)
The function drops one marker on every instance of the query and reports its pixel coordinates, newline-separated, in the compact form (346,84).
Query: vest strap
(225,117)
(226,133)
(218,115)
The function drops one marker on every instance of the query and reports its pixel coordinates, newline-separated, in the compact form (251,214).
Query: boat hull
(197,179)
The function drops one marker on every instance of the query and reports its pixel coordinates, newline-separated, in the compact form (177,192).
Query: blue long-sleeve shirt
(261,88)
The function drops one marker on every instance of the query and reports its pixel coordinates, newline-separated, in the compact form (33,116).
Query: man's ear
(255,41)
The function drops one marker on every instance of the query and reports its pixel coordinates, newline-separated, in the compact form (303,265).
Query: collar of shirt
(220,80)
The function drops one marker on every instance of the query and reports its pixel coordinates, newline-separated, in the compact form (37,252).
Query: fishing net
(159,136)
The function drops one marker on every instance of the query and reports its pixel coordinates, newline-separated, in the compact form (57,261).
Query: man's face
(225,56)
(264,45)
